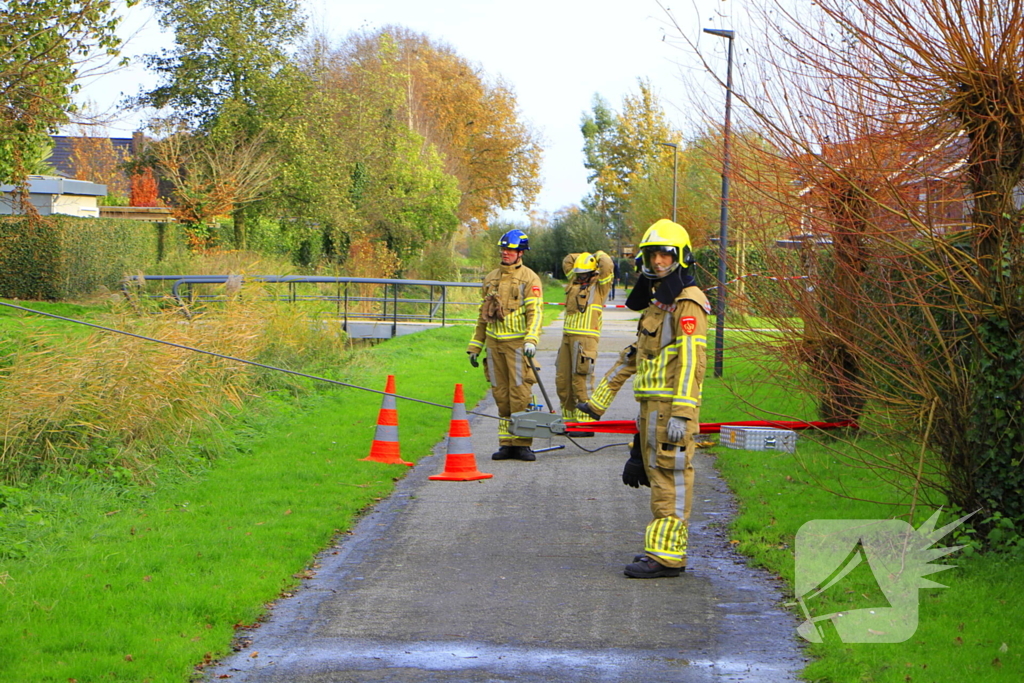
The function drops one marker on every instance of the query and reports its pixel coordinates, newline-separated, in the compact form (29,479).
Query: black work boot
(505,453)
(524,453)
(640,556)
(585,408)
(647,567)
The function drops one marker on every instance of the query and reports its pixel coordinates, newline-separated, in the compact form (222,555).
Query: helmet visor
(658,260)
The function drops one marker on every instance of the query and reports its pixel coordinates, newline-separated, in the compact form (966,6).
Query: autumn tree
(143,188)
(46,44)
(212,174)
(95,158)
(384,182)
(904,125)
(622,153)
(472,120)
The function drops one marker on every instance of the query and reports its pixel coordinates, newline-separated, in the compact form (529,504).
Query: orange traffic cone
(460,464)
(385,441)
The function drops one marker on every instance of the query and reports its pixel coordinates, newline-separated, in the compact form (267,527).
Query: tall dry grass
(109,401)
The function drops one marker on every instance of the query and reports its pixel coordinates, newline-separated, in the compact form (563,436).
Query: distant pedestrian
(615,277)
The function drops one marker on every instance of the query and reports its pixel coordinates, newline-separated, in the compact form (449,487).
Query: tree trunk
(239,218)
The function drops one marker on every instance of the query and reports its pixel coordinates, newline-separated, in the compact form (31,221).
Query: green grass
(141,584)
(966,632)
(16,324)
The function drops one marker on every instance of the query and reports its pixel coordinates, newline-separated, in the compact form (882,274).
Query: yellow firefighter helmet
(665,237)
(584,263)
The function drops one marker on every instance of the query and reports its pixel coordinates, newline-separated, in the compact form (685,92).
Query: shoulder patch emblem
(688,324)
(536,290)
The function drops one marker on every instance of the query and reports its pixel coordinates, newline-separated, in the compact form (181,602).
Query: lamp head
(721,32)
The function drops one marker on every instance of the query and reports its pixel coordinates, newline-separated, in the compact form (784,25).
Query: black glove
(634,474)
(473,361)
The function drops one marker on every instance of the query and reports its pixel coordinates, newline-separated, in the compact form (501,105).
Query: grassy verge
(142,583)
(966,632)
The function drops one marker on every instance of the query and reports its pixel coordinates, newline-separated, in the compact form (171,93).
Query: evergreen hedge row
(63,257)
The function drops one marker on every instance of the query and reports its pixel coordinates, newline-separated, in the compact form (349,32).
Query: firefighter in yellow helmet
(625,367)
(590,280)
(509,323)
(671,359)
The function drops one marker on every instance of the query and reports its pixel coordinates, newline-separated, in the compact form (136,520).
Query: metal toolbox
(758,438)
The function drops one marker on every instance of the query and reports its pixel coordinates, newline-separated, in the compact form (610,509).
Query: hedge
(64,257)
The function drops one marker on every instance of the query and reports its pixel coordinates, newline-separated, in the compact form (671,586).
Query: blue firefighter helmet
(515,239)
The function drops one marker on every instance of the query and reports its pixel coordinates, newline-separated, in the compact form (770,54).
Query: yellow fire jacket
(671,354)
(584,304)
(511,307)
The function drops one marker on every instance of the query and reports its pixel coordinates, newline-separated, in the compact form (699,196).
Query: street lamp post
(675,173)
(723,227)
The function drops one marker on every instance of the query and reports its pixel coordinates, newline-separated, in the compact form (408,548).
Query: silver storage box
(758,438)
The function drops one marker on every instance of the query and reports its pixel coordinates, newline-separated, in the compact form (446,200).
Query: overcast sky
(556,54)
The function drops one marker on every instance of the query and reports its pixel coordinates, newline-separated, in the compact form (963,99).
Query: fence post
(394,310)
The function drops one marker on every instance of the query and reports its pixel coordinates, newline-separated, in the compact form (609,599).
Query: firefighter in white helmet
(509,323)
(590,281)
(671,359)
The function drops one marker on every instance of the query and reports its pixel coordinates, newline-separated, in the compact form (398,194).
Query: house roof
(48,184)
(63,149)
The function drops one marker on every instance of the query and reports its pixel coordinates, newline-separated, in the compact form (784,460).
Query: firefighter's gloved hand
(473,360)
(529,349)
(676,429)
(634,474)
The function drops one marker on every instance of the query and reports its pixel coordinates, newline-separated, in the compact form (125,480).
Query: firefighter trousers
(512,381)
(670,470)
(574,371)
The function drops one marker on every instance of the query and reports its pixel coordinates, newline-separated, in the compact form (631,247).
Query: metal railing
(405,301)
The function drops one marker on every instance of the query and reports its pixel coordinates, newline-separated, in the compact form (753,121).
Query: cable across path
(235,359)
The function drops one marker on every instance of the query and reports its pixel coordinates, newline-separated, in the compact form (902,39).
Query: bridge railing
(351,298)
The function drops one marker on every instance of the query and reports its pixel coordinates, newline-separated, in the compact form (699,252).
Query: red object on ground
(629,426)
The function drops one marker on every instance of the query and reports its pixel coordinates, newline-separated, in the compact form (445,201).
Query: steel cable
(238,360)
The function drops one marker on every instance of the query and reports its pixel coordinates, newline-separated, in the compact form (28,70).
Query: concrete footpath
(519,577)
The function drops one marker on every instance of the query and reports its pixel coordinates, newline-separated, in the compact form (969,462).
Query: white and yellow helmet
(585,263)
(669,238)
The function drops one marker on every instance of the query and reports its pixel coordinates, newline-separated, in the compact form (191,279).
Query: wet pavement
(519,577)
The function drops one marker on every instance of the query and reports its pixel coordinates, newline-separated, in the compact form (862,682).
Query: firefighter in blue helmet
(671,358)
(509,324)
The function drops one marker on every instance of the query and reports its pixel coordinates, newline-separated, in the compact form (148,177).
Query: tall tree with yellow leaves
(621,151)
(473,121)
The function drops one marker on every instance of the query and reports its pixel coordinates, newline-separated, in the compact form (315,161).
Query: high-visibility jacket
(584,304)
(511,308)
(672,353)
